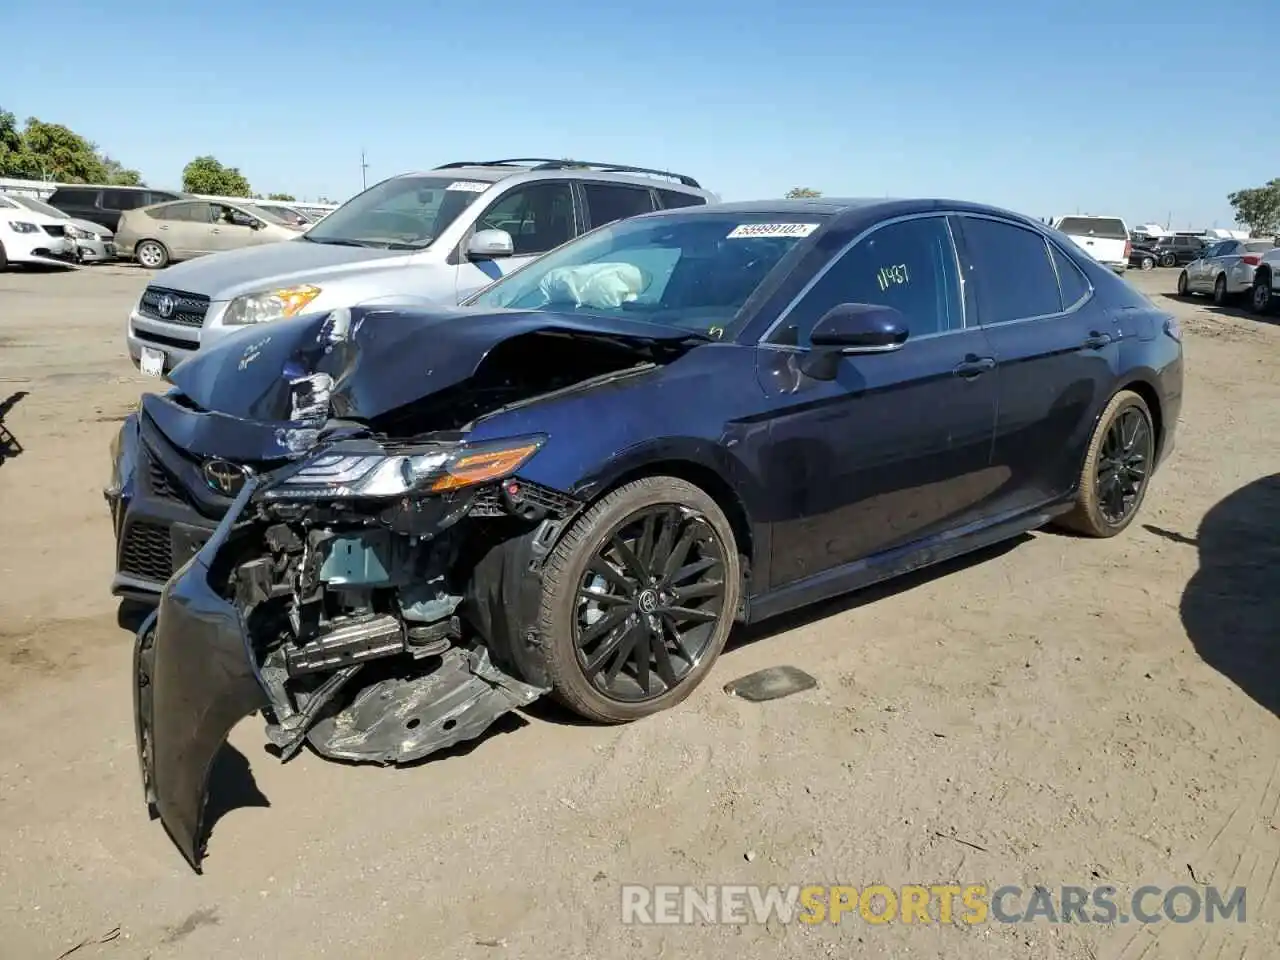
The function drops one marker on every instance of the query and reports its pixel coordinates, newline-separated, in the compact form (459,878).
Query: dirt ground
(1058,712)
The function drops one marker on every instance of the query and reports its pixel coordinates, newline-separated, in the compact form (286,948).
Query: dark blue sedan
(391,526)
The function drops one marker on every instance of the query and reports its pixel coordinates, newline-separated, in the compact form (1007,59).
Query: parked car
(1106,239)
(1266,281)
(435,237)
(28,236)
(580,481)
(1178,250)
(104,205)
(286,214)
(1225,270)
(167,233)
(93,242)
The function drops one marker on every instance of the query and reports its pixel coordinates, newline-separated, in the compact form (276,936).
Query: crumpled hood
(360,363)
(225,275)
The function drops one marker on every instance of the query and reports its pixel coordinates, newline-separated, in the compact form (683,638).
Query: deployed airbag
(602,285)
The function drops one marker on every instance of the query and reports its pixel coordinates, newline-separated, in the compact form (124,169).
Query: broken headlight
(431,469)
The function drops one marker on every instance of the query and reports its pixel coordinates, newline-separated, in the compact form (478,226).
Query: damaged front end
(371,592)
(367,602)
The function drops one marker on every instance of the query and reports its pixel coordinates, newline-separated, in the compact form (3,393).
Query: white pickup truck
(1106,239)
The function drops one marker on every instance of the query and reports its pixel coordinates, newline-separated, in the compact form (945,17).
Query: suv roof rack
(546,163)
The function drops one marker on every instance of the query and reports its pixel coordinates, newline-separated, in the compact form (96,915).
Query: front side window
(694,270)
(1011,267)
(607,202)
(403,213)
(539,216)
(909,266)
(76,197)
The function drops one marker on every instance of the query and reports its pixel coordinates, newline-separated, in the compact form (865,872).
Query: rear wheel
(1220,290)
(638,599)
(1147,263)
(4,259)
(152,254)
(1182,284)
(1260,295)
(1168,260)
(1117,466)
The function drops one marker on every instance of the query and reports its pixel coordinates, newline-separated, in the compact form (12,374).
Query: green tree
(119,175)
(1258,208)
(206,175)
(56,152)
(287,197)
(803,193)
(12,158)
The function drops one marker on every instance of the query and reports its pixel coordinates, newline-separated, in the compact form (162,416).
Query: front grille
(489,503)
(162,485)
(186,309)
(147,551)
(54,229)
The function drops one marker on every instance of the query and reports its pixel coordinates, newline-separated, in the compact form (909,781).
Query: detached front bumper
(194,679)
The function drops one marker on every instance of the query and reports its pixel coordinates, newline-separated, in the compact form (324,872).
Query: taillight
(1128,249)
(1252,259)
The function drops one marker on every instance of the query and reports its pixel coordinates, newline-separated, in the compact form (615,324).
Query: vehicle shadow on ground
(231,787)
(9,445)
(1237,310)
(550,711)
(1231,607)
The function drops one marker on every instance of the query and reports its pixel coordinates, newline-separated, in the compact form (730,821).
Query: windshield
(39,206)
(693,271)
(403,213)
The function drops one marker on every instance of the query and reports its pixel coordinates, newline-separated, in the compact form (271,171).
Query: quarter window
(1071,281)
(910,266)
(539,217)
(1011,270)
(607,202)
(671,199)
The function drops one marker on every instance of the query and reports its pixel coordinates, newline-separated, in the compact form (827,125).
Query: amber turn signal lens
(480,467)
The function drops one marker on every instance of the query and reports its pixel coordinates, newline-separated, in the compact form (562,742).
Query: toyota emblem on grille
(223,477)
(165,305)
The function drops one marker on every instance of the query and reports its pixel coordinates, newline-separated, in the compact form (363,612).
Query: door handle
(1096,340)
(973,366)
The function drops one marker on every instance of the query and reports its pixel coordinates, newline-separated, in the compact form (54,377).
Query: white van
(1106,239)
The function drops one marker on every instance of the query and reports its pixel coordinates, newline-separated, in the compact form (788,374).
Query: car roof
(501,170)
(846,211)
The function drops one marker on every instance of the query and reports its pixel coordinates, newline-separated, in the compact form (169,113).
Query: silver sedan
(1225,269)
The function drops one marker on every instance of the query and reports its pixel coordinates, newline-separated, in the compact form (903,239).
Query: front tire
(4,259)
(1182,285)
(638,599)
(151,254)
(1169,260)
(1117,468)
(1220,296)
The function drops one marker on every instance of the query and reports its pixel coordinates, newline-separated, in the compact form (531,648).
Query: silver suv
(434,237)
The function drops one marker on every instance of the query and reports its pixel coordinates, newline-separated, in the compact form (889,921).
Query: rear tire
(680,660)
(1147,263)
(1183,291)
(1260,296)
(1220,296)
(151,254)
(1108,463)
(1168,260)
(4,259)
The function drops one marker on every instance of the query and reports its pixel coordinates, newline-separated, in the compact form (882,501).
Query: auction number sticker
(771,230)
(469,186)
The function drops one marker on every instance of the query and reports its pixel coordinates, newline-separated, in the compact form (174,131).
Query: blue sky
(1046,108)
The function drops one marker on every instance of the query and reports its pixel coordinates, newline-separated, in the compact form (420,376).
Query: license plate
(152,362)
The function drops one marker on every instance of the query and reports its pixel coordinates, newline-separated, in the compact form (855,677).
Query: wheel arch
(1151,396)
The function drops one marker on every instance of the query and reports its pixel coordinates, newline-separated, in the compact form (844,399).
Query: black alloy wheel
(638,599)
(1169,260)
(1124,465)
(649,602)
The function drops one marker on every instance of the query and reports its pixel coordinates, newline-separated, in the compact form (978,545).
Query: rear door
(1055,350)
(607,202)
(539,217)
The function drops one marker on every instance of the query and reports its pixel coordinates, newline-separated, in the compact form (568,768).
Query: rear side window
(1108,228)
(123,199)
(160,197)
(1011,267)
(607,202)
(674,199)
(197,212)
(1072,283)
(74,197)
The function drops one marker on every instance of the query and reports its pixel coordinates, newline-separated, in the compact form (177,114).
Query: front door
(538,216)
(896,448)
(1056,349)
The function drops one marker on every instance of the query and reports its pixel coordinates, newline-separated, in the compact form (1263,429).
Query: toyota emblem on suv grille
(223,477)
(165,305)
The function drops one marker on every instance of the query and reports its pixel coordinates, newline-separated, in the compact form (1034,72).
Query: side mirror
(860,328)
(490,245)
